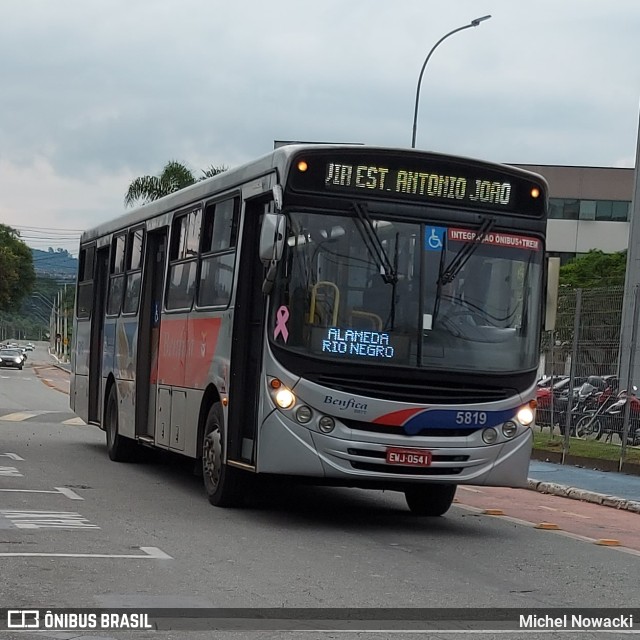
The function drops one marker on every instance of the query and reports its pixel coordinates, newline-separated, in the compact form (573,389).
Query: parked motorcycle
(591,398)
(613,418)
(609,421)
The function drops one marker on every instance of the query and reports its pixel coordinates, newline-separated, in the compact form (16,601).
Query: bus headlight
(525,415)
(285,398)
(509,429)
(490,435)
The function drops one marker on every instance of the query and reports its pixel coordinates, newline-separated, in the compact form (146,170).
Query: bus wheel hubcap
(212,457)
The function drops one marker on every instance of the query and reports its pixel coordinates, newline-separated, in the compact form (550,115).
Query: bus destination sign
(427,184)
(424,179)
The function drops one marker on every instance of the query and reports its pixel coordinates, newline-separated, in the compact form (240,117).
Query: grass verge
(543,441)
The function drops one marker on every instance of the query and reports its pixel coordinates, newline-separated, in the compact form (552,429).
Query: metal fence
(586,411)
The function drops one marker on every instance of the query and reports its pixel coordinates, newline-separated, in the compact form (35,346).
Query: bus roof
(276,160)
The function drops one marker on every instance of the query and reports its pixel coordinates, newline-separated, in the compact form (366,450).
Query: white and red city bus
(353,315)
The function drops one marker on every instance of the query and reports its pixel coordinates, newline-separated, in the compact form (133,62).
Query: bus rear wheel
(119,448)
(224,484)
(430,500)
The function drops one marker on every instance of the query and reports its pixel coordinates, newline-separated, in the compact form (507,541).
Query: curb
(584,495)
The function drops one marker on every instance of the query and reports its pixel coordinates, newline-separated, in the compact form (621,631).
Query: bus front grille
(410,471)
(370,427)
(406,389)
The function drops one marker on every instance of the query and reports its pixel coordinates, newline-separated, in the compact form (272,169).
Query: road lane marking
(568,513)
(79,422)
(557,532)
(10,472)
(20,416)
(148,553)
(69,493)
(12,456)
(46,519)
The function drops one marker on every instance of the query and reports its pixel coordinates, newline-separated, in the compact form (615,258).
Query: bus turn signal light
(535,192)
(302,166)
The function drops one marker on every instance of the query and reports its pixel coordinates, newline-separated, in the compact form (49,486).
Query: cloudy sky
(96,92)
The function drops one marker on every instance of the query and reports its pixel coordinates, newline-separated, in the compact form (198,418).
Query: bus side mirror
(272,239)
(553,285)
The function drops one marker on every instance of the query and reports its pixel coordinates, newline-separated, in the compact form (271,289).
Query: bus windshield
(334,298)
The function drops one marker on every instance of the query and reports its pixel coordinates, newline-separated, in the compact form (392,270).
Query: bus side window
(85,282)
(183,256)
(116,275)
(134,271)
(218,253)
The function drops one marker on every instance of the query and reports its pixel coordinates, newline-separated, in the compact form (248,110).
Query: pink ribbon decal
(282,315)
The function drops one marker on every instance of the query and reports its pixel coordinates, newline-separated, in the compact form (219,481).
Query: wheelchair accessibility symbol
(434,238)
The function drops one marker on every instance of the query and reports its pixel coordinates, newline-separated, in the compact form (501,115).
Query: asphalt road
(143,535)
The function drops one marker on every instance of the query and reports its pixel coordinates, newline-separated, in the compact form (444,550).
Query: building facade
(590,208)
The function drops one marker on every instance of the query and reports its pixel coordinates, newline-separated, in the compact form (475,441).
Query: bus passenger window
(116,278)
(216,280)
(84,295)
(134,271)
(218,253)
(182,281)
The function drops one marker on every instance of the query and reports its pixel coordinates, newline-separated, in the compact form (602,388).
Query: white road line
(75,422)
(21,415)
(569,513)
(12,456)
(560,532)
(70,493)
(47,519)
(11,472)
(148,553)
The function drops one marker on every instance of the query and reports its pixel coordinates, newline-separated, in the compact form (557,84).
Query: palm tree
(174,176)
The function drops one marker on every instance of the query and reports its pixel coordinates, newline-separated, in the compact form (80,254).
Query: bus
(346,315)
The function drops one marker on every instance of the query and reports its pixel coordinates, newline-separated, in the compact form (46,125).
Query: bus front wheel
(223,484)
(430,500)
(119,448)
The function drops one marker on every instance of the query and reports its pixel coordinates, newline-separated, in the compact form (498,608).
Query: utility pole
(65,339)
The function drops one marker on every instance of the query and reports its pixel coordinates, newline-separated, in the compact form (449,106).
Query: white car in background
(12,358)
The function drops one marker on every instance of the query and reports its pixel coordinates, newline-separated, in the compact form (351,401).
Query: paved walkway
(619,490)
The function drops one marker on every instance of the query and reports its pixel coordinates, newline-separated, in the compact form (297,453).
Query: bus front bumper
(287,448)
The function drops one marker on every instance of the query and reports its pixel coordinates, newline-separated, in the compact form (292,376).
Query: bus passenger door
(246,347)
(100,276)
(149,333)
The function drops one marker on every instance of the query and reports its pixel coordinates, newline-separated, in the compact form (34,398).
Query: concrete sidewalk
(618,490)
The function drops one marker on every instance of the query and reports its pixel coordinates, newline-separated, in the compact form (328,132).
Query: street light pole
(473,23)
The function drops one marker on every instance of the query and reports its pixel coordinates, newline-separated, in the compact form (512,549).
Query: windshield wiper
(450,273)
(374,245)
(461,258)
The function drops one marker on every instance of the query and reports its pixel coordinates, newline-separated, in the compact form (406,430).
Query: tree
(595,269)
(174,176)
(17,274)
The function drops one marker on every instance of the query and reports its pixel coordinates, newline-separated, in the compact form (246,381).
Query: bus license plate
(409,457)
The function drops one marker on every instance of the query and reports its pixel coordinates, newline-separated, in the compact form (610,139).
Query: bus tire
(224,484)
(430,500)
(119,448)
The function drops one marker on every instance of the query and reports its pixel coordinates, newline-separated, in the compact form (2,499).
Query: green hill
(57,263)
